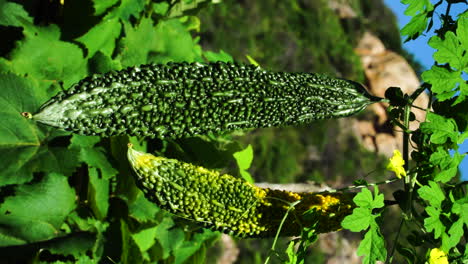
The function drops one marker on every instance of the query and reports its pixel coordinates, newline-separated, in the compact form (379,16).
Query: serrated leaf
(36,212)
(168,41)
(101,37)
(417,6)
(432,193)
(59,62)
(415,27)
(443,81)
(440,128)
(454,235)
(372,246)
(364,199)
(449,50)
(359,220)
(433,223)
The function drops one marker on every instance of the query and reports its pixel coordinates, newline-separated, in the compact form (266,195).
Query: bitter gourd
(181,99)
(231,205)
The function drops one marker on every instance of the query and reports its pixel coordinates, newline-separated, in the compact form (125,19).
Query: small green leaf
(372,246)
(220,56)
(433,223)
(359,220)
(12,14)
(417,6)
(440,128)
(364,199)
(145,238)
(244,160)
(433,194)
(100,6)
(415,27)
(443,81)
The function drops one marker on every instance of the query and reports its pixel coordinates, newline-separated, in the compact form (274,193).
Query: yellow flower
(438,256)
(396,164)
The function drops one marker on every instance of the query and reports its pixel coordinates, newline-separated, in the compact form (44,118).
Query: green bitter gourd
(231,205)
(180,99)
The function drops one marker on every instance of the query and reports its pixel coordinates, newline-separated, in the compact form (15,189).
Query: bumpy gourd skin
(180,100)
(231,205)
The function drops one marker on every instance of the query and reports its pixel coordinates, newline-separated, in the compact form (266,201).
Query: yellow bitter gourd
(231,205)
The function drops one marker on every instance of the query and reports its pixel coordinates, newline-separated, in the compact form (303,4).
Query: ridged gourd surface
(225,203)
(180,100)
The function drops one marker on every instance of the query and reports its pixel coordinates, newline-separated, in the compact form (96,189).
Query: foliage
(71,199)
(432,202)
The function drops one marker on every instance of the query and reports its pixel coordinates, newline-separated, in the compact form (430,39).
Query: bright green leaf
(220,56)
(12,14)
(433,223)
(244,157)
(454,235)
(101,37)
(415,27)
(440,128)
(359,220)
(432,193)
(142,209)
(372,246)
(449,50)
(443,81)
(145,238)
(169,238)
(417,6)
(462,32)
(100,6)
(36,212)
(59,62)
(364,199)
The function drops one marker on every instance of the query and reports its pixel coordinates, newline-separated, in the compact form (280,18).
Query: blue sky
(423,52)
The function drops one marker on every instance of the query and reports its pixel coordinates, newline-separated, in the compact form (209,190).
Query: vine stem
(272,249)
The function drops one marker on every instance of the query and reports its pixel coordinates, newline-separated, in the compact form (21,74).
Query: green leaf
(433,223)
(220,56)
(188,248)
(143,210)
(440,128)
(100,6)
(447,163)
(168,41)
(415,27)
(359,220)
(372,246)
(98,193)
(454,235)
(181,8)
(433,194)
(462,32)
(36,212)
(101,37)
(443,81)
(244,160)
(145,238)
(75,244)
(93,156)
(59,62)
(169,239)
(449,50)
(364,199)
(12,14)
(417,6)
